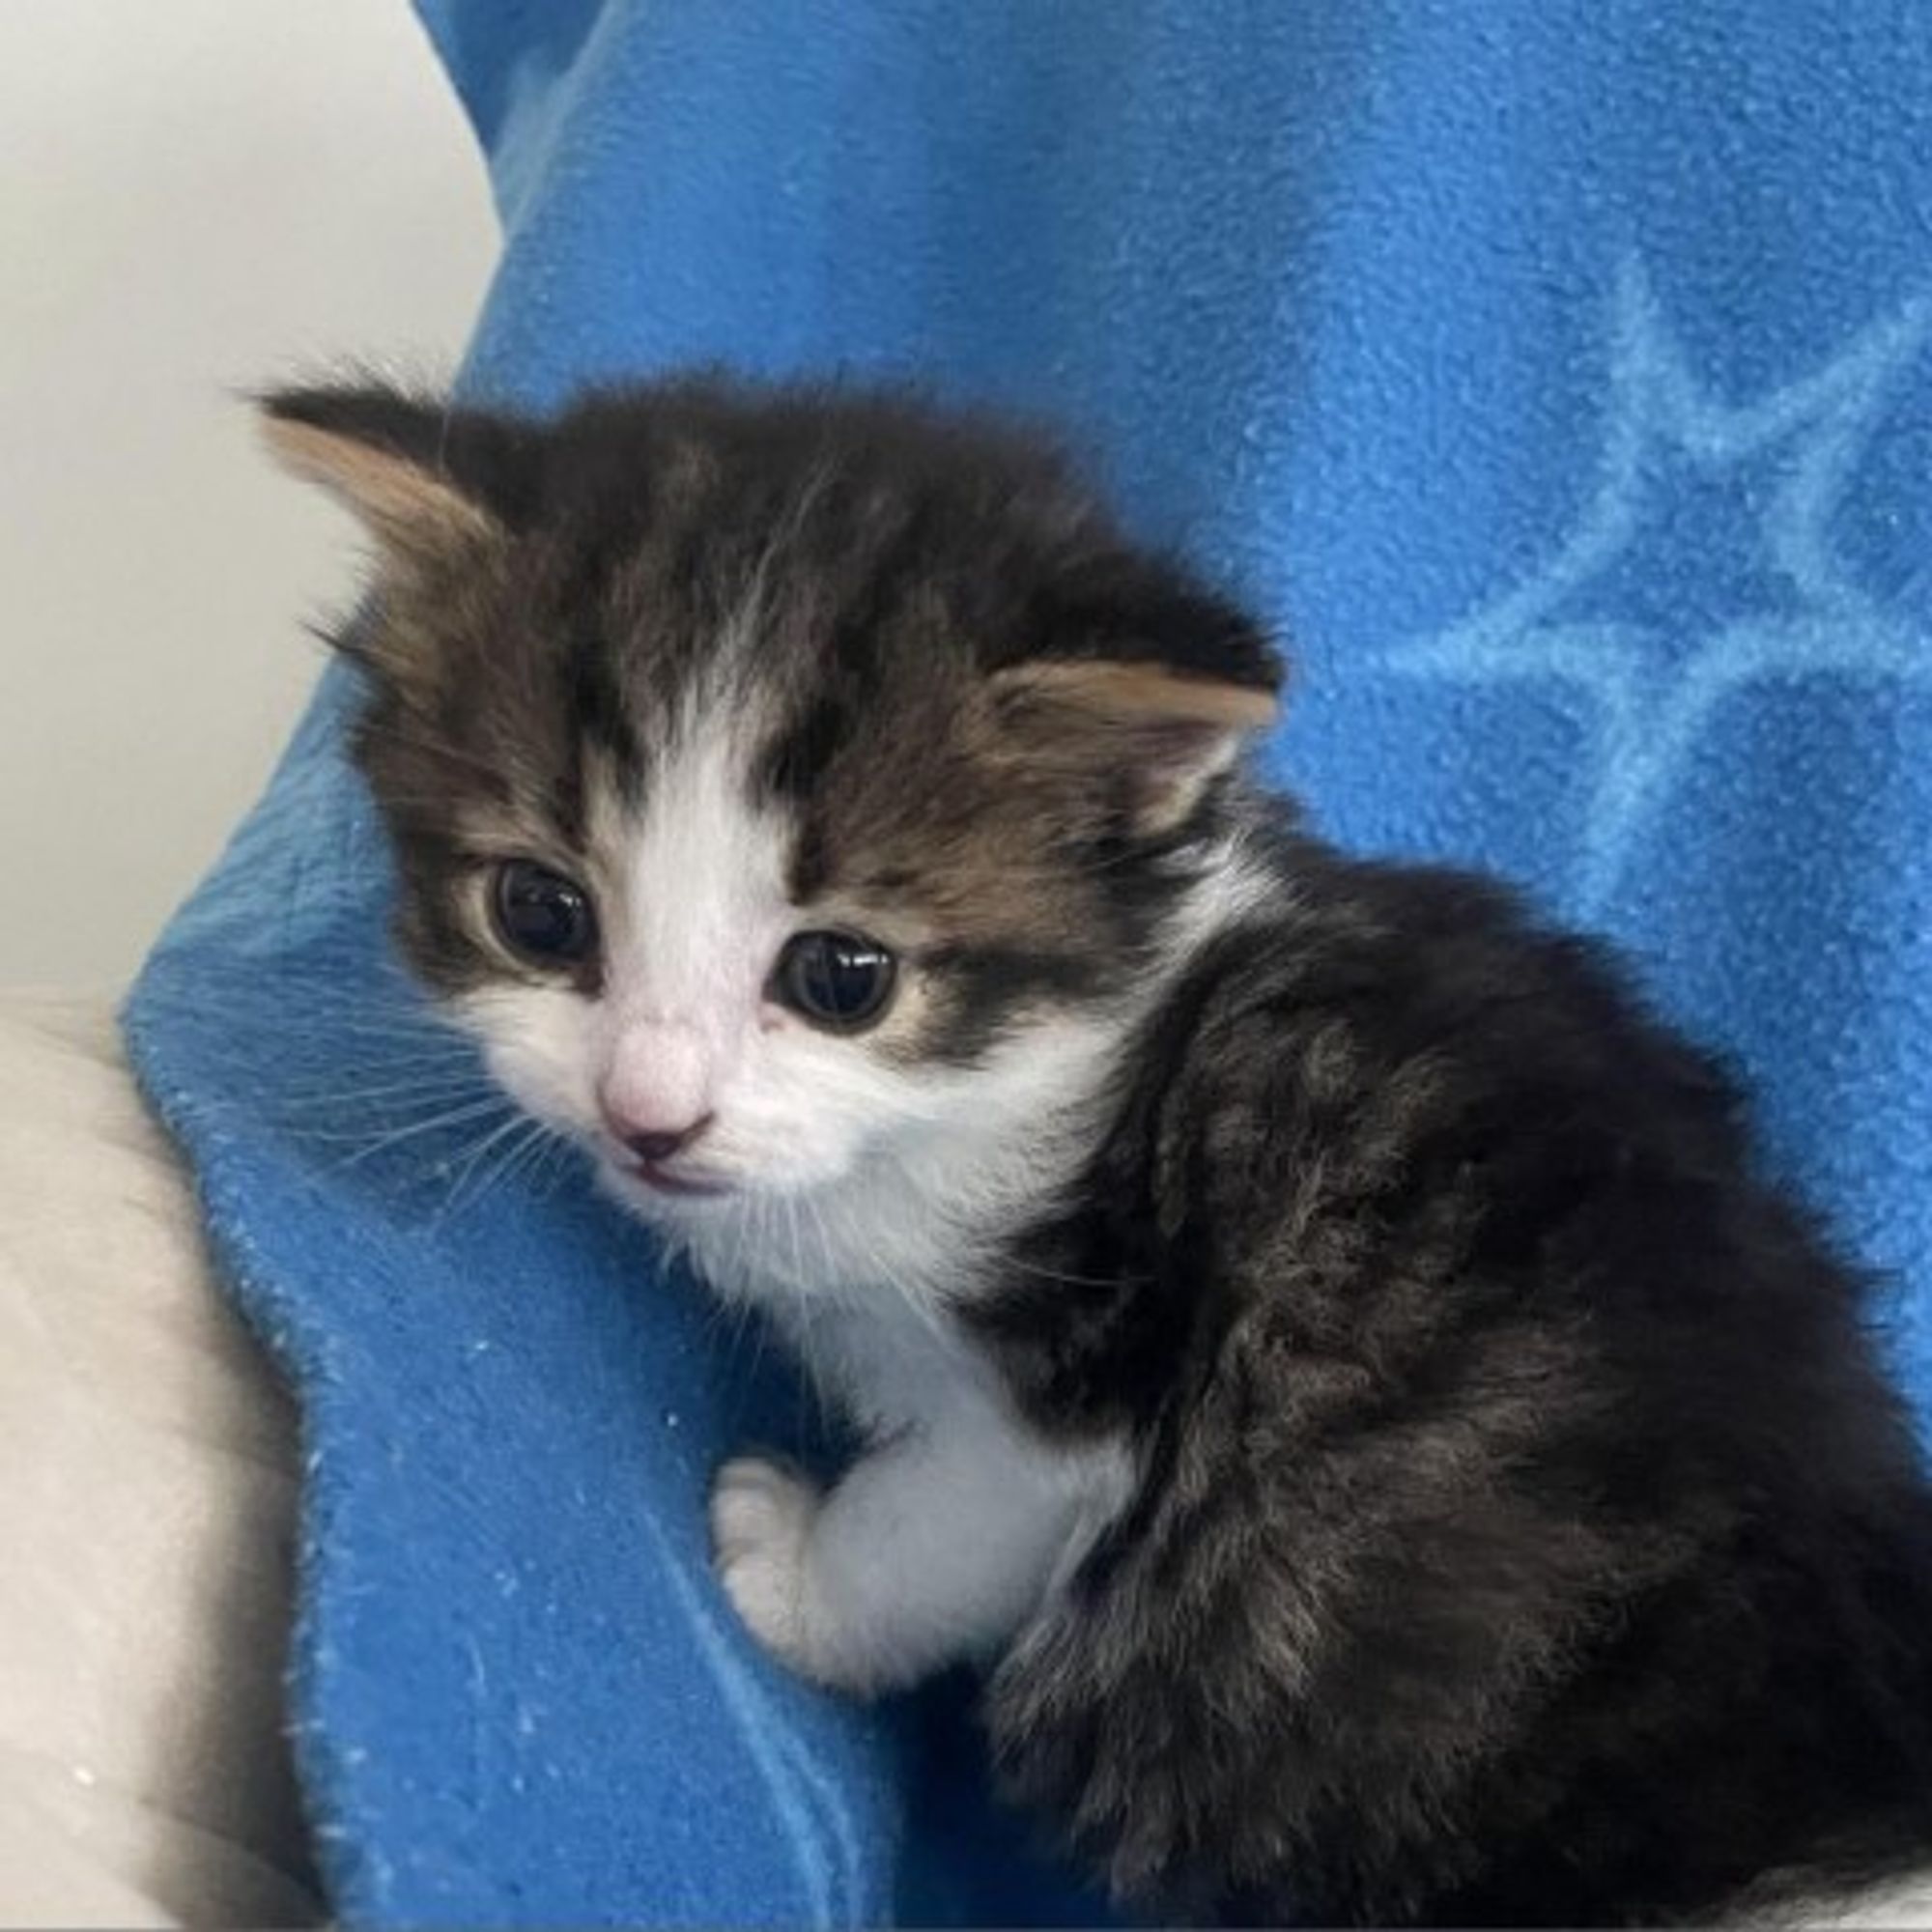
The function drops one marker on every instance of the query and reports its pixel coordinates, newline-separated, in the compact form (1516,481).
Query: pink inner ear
(399,501)
(1119,692)
(1168,763)
(1177,744)
(1166,733)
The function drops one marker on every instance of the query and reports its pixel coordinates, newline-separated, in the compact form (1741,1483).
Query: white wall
(194,195)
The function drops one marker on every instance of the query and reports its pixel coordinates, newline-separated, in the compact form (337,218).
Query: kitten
(1325,1349)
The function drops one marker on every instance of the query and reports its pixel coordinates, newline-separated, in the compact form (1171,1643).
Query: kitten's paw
(762,1518)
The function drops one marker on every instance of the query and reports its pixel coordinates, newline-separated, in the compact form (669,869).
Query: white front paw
(762,1518)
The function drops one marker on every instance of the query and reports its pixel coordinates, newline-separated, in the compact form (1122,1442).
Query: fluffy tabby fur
(1325,1347)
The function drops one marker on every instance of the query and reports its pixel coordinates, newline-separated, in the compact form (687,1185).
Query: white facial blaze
(699,914)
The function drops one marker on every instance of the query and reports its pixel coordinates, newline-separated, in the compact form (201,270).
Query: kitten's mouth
(660,1180)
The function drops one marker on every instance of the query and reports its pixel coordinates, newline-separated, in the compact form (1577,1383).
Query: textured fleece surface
(1553,373)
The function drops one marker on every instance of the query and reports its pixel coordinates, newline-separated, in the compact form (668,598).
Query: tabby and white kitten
(1323,1346)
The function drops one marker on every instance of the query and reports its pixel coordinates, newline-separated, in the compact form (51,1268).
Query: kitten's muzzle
(653,1149)
(662,1180)
(653,1146)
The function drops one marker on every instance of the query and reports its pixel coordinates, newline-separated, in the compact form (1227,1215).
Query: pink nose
(654,1143)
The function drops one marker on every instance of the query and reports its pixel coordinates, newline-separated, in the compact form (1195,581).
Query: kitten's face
(784,791)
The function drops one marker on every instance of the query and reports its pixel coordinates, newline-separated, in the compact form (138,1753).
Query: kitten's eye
(542,916)
(836,979)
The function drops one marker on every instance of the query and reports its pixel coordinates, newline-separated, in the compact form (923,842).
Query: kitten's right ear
(423,479)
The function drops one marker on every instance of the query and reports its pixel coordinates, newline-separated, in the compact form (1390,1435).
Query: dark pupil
(543,915)
(831,976)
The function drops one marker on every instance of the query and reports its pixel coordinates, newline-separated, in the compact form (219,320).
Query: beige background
(194,195)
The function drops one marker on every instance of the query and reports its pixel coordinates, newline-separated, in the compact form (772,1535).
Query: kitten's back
(1527,1534)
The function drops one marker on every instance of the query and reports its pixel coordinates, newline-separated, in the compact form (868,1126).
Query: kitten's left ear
(1142,678)
(425,480)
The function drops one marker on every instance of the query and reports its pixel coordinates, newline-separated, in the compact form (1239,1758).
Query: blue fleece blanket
(1556,375)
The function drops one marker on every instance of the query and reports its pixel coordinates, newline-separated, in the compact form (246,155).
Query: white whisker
(516,1126)
(453,1116)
